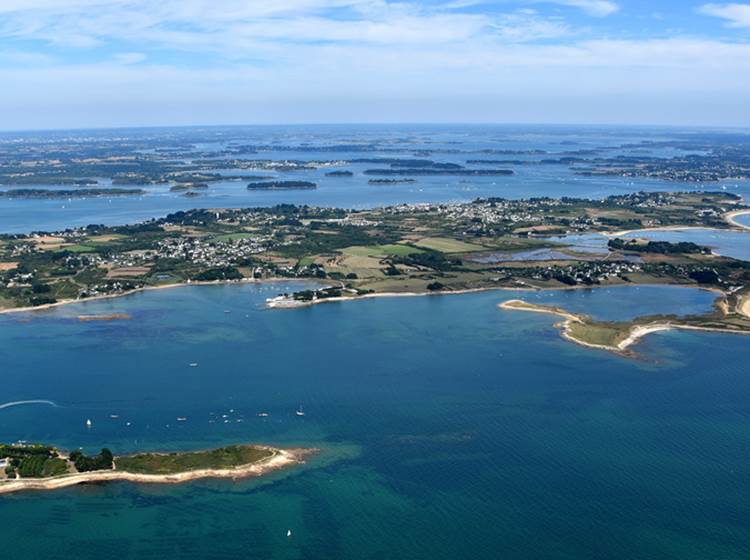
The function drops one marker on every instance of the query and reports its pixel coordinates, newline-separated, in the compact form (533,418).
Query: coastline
(294,304)
(620,233)
(635,334)
(730,218)
(281,458)
(30,309)
(744,306)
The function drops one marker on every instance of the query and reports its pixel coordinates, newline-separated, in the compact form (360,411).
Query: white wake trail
(22,403)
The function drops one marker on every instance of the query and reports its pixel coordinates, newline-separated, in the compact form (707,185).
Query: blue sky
(99,63)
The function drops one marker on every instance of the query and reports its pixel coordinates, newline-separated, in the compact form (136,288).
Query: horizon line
(745,128)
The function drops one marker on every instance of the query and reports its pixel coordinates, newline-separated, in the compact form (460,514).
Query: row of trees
(103,461)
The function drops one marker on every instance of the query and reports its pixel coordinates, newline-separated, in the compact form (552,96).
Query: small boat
(299,411)
(262,414)
(182,418)
(114,416)
(193,364)
(289,533)
(88,423)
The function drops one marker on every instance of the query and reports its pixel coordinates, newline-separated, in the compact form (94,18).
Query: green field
(447,245)
(103,239)
(393,249)
(231,237)
(78,249)
(306,261)
(170,463)
(602,334)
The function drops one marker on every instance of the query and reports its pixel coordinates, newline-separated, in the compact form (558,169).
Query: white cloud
(24,58)
(737,15)
(228,31)
(252,27)
(334,60)
(129,58)
(599,8)
(678,80)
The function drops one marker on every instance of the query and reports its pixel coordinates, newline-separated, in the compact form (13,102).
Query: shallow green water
(447,428)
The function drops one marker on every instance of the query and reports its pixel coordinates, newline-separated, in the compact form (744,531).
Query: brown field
(105,238)
(537,229)
(615,214)
(7,266)
(50,243)
(131,272)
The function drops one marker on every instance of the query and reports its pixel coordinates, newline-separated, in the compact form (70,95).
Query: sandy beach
(730,218)
(646,230)
(280,459)
(744,306)
(520,305)
(637,332)
(295,304)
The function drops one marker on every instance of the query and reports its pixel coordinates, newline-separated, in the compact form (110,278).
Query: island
(281,185)
(697,157)
(181,187)
(391,181)
(44,467)
(60,193)
(439,171)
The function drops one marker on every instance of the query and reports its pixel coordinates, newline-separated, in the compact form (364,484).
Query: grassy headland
(43,467)
(620,336)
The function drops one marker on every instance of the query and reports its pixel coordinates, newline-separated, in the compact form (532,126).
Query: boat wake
(22,403)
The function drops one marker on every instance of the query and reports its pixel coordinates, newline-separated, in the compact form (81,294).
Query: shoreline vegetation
(235,462)
(618,337)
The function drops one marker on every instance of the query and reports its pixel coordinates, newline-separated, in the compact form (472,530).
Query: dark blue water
(453,144)
(448,429)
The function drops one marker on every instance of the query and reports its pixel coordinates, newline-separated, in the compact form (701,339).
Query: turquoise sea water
(448,429)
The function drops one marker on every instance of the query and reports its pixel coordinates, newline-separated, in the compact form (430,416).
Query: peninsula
(618,337)
(43,467)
